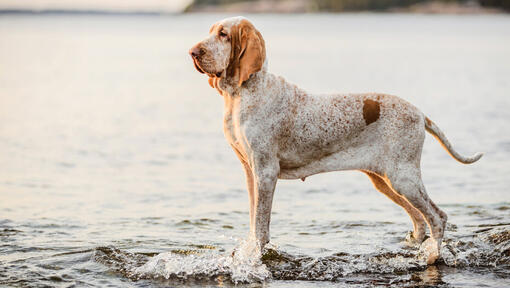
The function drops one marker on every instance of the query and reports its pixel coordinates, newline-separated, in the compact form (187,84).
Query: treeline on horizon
(358,5)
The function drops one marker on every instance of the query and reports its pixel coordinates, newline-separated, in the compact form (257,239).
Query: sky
(108,5)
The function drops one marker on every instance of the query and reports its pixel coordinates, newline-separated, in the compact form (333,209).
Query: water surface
(114,169)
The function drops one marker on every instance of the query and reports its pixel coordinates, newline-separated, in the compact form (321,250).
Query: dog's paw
(429,251)
(411,240)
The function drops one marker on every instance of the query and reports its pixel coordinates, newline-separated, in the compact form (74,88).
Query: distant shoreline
(424,8)
(301,6)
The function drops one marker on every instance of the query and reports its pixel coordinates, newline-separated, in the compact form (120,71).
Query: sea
(114,171)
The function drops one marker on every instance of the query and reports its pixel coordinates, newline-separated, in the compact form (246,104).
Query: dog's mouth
(199,69)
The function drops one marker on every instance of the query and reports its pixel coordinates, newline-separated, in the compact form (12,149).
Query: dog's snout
(196,51)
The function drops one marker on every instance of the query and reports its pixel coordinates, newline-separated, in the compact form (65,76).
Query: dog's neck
(229,87)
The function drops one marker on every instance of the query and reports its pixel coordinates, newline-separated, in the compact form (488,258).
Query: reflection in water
(431,276)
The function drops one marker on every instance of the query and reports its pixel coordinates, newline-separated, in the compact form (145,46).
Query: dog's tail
(432,128)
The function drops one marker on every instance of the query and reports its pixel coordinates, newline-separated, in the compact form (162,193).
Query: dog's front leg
(251,191)
(265,176)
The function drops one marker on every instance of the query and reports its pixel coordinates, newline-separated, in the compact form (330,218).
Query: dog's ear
(248,51)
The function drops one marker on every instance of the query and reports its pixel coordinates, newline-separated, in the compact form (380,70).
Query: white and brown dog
(281,131)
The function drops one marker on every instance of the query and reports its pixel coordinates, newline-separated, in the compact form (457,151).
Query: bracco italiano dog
(280,131)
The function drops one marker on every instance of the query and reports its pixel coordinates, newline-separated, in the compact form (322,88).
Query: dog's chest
(228,125)
(244,124)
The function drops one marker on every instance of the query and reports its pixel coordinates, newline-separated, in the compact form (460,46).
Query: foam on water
(242,265)
(246,264)
(489,248)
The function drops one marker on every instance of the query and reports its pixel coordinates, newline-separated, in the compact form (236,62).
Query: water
(114,170)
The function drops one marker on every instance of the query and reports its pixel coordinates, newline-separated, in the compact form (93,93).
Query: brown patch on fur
(371,111)
(215,27)
(248,51)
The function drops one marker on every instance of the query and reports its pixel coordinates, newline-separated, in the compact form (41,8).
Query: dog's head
(233,49)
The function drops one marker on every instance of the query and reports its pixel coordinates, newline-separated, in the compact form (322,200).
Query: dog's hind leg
(406,180)
(419,224)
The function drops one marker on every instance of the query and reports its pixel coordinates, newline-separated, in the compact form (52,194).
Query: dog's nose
(195,51)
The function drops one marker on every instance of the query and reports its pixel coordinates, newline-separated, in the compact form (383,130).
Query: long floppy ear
(248,51)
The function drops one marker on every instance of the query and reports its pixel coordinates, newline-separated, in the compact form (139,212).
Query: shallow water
(114,170)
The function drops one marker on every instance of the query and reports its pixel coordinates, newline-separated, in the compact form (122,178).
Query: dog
(279,131)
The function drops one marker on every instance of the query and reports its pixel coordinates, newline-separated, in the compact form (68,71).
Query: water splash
(246,264)
(488,248)
(242,265)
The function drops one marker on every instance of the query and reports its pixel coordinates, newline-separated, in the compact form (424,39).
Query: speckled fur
(280,131)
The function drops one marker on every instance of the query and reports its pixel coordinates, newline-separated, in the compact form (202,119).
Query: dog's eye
(223,34)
